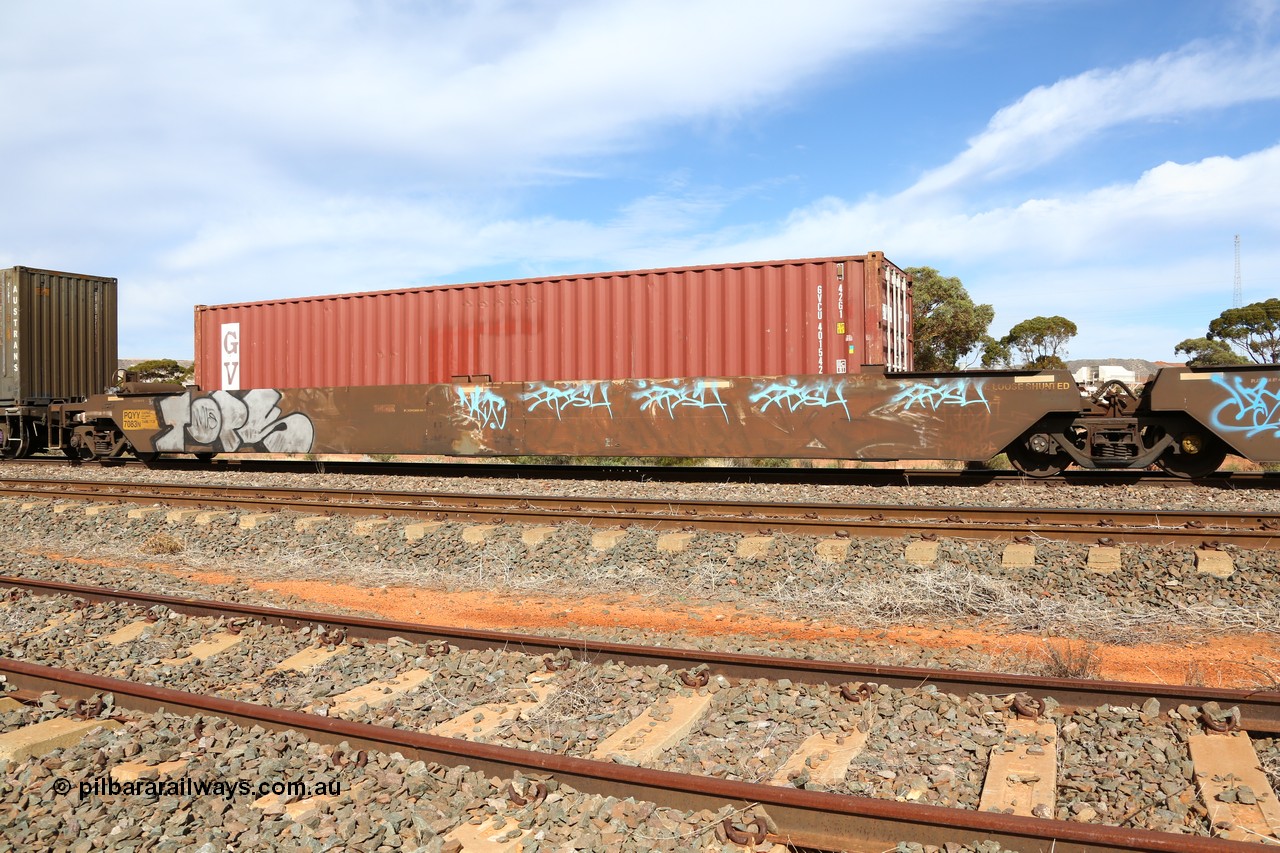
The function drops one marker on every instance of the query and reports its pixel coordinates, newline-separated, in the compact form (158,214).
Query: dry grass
(1268,673)
(948,591)
(1195,675)
(1068,659)
(945,592)
(162,543)
(578,694)
(499,566)
(1271,767)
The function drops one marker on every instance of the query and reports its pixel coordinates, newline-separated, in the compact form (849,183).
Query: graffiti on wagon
(576,395)
(953,392)
(1249,408)
(793,395)
(227,421)
(675,394)
(480,406)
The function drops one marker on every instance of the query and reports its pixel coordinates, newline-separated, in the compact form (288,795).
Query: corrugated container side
(811,316)
(59,335)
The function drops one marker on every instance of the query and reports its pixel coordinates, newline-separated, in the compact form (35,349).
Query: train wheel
(26,442)
(205,457)
(146,457)
(1034,463)
(1200,457)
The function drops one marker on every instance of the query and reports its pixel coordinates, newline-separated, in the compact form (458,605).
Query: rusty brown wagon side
(1220,410)
(1186,421)
(870,416)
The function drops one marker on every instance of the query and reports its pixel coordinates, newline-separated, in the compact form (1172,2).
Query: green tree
(948,325)
(1253,329)
(1046,362)
(995,353)
(1041,341)
(1204,352)
(161,370)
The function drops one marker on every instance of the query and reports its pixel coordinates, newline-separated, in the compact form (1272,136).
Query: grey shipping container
(58,335)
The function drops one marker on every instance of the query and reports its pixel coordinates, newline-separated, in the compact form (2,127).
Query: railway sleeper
(1021,778)
(1020,774)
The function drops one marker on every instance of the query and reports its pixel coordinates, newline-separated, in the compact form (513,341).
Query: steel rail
(758,510)
(808,818)
(689,473)
(1119,526)
(1260,709)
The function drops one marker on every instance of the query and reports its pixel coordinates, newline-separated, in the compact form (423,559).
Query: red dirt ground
(1247,660)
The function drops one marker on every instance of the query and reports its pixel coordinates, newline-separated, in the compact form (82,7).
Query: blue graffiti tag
(790,393)
(579,395)
(669,396)
(1249,409)
(482,407)
(955,392)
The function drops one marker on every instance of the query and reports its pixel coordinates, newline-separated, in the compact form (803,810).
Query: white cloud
(1052,119)
(1256,17)
(223,134)
(1146,260)
(206,154)
(489,90)
(1144,251)
(1170,199)
(245,150)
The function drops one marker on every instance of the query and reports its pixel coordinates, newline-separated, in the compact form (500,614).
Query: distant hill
(1140,366)
(130,362)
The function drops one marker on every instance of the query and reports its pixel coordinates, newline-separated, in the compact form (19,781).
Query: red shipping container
(812,316)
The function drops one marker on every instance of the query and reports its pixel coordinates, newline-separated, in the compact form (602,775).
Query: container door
(897,318)
(887,307)
(9,342)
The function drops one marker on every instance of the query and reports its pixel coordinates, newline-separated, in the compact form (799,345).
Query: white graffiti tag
(580,395)
(1251,409)
(669,396)
(956,392)
(793,396)
(482,407)
(227,421)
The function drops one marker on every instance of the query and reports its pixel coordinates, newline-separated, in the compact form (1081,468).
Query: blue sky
(1091,159)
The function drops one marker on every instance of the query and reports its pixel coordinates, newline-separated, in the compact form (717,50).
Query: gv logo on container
(230,356)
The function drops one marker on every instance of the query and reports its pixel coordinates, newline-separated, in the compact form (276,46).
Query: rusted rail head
(1260,709)
(802,818)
